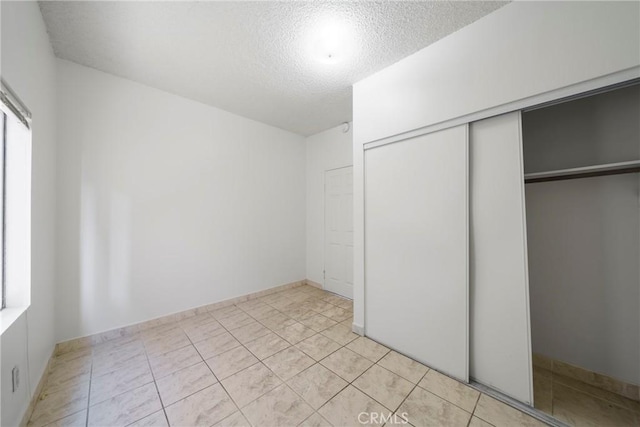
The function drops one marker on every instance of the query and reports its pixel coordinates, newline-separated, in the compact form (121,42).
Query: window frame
(3,225)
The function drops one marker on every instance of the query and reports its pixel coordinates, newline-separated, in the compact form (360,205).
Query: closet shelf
(584,172)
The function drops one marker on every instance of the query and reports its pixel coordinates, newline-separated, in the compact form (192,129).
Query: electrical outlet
(15,377)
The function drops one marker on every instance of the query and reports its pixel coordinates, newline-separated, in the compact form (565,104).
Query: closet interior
(581,163)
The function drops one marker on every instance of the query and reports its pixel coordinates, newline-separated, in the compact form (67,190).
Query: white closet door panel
(499,292)
(416,248)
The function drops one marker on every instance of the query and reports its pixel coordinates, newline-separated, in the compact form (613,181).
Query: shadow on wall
(105,252)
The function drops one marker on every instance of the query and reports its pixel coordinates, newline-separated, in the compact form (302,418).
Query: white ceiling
(251,58)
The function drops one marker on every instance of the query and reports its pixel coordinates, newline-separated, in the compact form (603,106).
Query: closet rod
(583,172)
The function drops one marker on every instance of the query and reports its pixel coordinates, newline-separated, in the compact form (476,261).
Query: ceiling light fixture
(331,41)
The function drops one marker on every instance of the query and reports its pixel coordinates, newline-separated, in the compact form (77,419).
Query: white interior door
(416,248)
(338,231)
(499,290)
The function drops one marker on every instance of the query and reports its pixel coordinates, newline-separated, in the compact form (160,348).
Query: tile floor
(580,404)
(286,359)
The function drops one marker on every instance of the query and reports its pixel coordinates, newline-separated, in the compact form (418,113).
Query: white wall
(584,235)
(523,50)
(583,270)
(28,66)
(326,150)
(520,50)
(166,204)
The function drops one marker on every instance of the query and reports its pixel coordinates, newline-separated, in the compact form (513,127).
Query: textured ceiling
(255,59)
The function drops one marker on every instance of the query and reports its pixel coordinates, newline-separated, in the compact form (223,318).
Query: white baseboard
(357,329)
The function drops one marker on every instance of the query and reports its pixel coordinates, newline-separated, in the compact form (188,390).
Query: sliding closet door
(416,248)
(500,350)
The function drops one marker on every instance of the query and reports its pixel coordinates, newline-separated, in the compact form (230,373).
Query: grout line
(89,392)
(215,376)
(153,376)
(413,389)
(176,324)
(474,409)
(245,347)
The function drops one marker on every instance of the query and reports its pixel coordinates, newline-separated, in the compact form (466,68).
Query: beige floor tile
(250,304)
(225,312)
(451,390)
(300,297)
(283,303)
(333,299)
(79,419)
(368,348)
(348,323)
(346,304)
(109,385)
(317,385)
(384,386)
(351,407)
(337,313)
(477,422)
(262,312)
(163,344)
(83,355)
(319,305)
(315,420)
(165,364)
(126,408)
(542,392)
(66,375)
(614,398)
(237,320)
(157,331)
(268,299)
(340,334)
(185,382)
(204,330)
(216,345)
(295,333)
(117,363)
(299,312)
(598,380)
(267,345)
(407,368)
(279,407)
(346,363)
(203,408)
(117,345)
(250,332)
(318,346)
(234,420)
(427,409)
(198,319)
(230,362)
(288,363)
(309,304)
(157,419)
(251,383)
(52,406)
(277,321)
(318,322)
(580,409)
(497,413)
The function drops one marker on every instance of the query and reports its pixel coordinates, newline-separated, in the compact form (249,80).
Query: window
(15,207)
